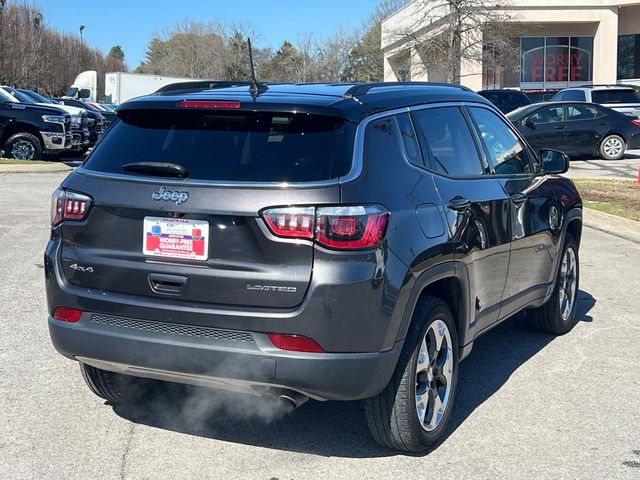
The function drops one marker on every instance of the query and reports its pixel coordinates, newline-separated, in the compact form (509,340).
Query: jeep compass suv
(332,242)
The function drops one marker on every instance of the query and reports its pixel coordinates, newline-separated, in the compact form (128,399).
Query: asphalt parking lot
(598,168)
(529,405)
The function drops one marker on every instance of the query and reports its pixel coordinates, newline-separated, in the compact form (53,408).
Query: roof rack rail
(604,85)
(198,85)
(363,88)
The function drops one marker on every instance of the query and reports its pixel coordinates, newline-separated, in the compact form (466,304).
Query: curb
(36,168)
(612,224)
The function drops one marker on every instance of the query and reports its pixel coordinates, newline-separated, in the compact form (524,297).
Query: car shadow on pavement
(334,428)
(497,355)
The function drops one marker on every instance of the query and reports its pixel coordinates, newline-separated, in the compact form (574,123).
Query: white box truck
(119,86)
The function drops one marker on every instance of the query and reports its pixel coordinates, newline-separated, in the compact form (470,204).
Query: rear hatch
(624,100)
(192,231)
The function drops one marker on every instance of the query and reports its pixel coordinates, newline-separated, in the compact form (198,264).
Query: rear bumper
(224,359)
(633,142)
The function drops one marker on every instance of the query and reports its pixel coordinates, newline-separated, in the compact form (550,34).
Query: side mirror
(554,161)
(528,122)
(84,93)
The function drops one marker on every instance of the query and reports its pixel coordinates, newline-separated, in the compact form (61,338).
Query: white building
(562,43)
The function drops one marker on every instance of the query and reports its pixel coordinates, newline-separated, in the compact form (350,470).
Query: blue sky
(131,23)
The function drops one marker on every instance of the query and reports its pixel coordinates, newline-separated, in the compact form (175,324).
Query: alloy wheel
(434,375)
(23,150)
(568,283)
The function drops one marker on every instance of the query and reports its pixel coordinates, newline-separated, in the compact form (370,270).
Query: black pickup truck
(29,132)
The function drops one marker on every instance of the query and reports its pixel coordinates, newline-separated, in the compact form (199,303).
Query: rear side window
(230,146)
(615,96)
(572,96)
(383,142)
(409,139)
(507,155)
(447,141)
(582,112)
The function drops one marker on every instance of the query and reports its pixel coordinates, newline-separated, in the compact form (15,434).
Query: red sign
(559,67)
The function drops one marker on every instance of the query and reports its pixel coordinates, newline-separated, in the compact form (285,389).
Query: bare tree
(333,55)
(37,57)
(202,50)
(366,60)
(448,32)
(235,52)
(305,65)
(188,49)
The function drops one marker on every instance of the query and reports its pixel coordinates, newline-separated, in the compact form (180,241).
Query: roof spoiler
(199,85)
(363,88)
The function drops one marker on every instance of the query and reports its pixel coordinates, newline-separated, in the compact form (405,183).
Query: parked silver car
(622,98)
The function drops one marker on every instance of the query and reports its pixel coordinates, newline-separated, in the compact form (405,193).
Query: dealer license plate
(176,238)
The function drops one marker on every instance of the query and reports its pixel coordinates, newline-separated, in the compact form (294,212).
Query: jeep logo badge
(169,196)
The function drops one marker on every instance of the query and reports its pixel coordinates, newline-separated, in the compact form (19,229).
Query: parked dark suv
(506,100)
(333,242)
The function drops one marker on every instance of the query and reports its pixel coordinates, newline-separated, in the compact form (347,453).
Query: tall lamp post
(37,24)
(82,27)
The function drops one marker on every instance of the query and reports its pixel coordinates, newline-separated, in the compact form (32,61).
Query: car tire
(558,315)
(397,416)
(115,387)
(613,147)
(23,146)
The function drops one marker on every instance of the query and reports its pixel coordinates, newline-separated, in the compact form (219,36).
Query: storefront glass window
(581,50)
(532,59)
(628,56)
(557,60)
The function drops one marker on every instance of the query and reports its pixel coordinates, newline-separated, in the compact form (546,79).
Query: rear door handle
(459,203)
(167,284)
(559,127)
(518,198)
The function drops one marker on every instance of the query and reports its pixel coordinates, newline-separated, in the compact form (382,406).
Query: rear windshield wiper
(157,169)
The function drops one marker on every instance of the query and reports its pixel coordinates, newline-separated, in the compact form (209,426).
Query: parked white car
(622,98)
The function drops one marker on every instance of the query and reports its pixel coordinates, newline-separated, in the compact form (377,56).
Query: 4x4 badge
(168,195)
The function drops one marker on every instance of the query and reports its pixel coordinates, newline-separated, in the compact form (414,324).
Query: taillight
(220,104)
(67,205)
(636,122)
(295,343)
(66,314)
(339,228)
(348,228)
(291,222)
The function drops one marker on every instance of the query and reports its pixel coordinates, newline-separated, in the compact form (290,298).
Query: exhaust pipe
(288,398)
(292,399)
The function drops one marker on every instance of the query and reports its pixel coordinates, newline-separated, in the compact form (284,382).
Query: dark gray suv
(332,242)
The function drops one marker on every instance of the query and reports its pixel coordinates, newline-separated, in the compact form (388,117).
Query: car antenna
(255,88)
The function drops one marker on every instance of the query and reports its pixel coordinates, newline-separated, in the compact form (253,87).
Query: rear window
(615,96)
(230,146)
(571,96)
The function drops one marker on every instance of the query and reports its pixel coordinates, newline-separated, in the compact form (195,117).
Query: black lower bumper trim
(224,363)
